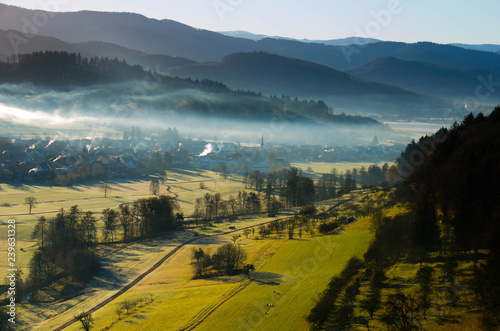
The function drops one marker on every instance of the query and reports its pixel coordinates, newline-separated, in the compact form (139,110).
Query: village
(67,161)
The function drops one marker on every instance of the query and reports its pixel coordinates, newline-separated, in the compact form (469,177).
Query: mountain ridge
(426,78)
(175,39)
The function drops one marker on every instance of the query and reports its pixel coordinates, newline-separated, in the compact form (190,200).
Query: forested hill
(58,69)
(142,91)
(452,180)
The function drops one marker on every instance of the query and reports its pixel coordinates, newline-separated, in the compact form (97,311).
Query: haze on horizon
(445,21)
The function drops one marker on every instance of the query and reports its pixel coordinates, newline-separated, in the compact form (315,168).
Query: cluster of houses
(45,160)
(49,159)
(95,158)
(360,153)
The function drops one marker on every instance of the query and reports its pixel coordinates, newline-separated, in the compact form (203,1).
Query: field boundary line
(207,311)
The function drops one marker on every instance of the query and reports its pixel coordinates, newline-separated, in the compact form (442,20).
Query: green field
(298,269)
(319,168)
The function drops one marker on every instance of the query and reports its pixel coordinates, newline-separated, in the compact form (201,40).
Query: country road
(154,267)
(166,257)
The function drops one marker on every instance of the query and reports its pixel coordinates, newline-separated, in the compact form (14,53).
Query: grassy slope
(186,184)
(298,269)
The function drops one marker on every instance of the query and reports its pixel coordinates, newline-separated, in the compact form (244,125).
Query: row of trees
(67,244)
(298,189)
(325,306)
(144,218)
(295,188)
(67,241)
(214,207)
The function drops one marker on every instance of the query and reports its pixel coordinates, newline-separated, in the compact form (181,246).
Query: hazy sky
(442,21)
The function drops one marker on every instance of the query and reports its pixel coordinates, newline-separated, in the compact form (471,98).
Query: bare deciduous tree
(105,187)
(31,202)
(154,186)
(86,319)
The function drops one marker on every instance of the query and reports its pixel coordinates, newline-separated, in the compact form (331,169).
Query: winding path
(169,188)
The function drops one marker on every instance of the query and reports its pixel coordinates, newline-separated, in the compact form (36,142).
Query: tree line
(449,189)
(453,187)
(68,240)
(285,188)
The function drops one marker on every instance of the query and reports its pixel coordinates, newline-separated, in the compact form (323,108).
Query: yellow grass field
(298,269)
(88,197)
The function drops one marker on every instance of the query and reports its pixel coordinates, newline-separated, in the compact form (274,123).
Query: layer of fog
(120,106)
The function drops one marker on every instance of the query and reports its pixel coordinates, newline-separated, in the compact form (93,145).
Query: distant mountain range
(429,79)
(278,75)
(484,47)
(166,37)
(88,49)
(275,74)
(331,42)
(356,74)
(349,41)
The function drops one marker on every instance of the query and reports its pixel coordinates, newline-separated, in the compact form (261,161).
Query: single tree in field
(86,319)
(154,186)
(377,220)
(127,305)
(216,202)
(248,268)
(371,304)
(118,311)
(105,187)
(224,171)
(31,202)
(198,254)
(163,176)
(235,238)
(400,312)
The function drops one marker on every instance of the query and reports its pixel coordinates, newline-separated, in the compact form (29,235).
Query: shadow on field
(214,240)
(21,187)
(267,278)
(73,188)
(197,173)
(108,279)
(184,201)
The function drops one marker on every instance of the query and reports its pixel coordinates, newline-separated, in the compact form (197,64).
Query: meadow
(288,277)
(185,184)
(298,269)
